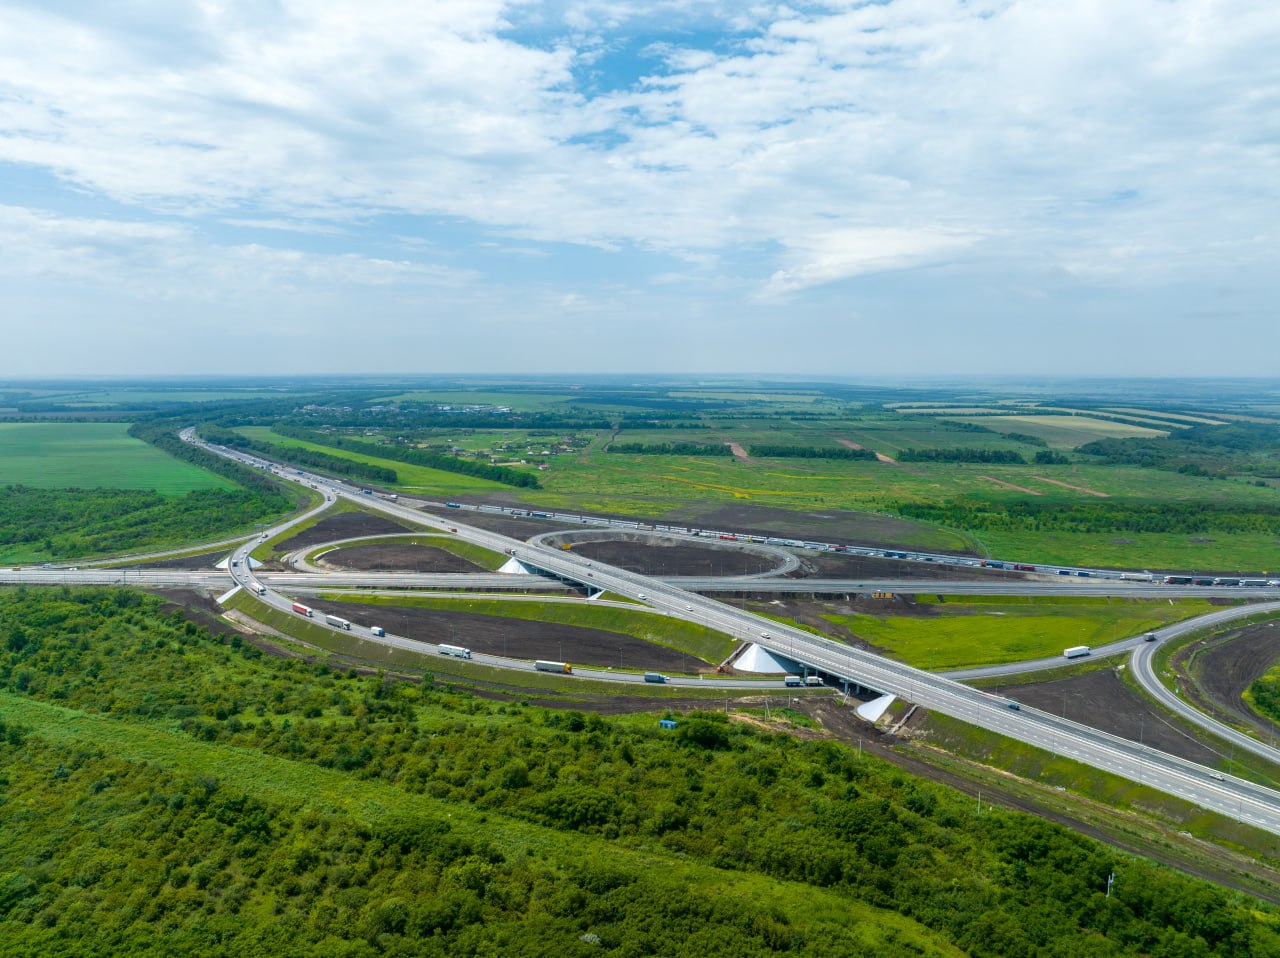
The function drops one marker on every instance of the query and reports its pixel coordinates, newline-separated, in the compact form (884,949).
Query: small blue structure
(666,723)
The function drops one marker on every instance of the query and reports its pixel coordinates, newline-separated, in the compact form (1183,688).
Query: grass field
(93,455)
(417,479)
(982,631)
(1224,552)
(479,555)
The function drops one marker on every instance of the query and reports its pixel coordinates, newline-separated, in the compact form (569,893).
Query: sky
(922,187)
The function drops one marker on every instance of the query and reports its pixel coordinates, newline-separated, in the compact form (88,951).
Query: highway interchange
(1232,796)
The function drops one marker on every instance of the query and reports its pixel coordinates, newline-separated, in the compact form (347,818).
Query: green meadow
(93,455)
(971,631)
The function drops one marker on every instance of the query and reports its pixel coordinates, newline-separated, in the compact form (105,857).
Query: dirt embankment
(517,638)
(345,525)
(1225,666)
(390,557)
(833,525)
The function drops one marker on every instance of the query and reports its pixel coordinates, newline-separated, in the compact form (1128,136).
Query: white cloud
(852,252)
(770,148)
(168,261)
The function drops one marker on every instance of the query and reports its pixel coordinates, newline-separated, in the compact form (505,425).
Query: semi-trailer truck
(377,630)
(454,650)
(337,622)
(301,609)
(544,666)
(1076,651)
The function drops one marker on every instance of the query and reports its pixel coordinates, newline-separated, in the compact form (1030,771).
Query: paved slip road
(1234,797)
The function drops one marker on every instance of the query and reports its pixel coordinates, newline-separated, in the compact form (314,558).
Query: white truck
(1076,651)
(454,650)
(338,623)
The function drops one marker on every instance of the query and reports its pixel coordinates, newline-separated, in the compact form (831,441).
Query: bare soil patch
(850,444)
(389,557)
(345,525)
(1101,700)
(739,452)
(829,525)
(1224,666)
(1067,485)
(1010,485)
(652,556)
(517,638)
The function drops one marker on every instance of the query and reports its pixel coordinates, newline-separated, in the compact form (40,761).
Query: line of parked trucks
(940,558)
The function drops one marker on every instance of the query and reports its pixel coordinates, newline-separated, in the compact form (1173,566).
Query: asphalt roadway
(1245,801)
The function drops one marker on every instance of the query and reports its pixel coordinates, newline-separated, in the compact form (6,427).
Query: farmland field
(984,631)
(1064,432)
(93,455)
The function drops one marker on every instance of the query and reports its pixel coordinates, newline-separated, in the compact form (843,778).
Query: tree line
(304,457)
(775,451)
(986,456)
(670,448)
(415,457)
(1114,515)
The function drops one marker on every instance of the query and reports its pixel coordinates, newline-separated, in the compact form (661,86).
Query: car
(642,596)
(688,608)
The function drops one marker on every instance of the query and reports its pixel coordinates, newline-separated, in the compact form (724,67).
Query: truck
(301,609)
(1076,651)
(792,680)
(259,588)
(454,650)
(544,666)
(813,681)
(337,622)
(377,630)
(654,677)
